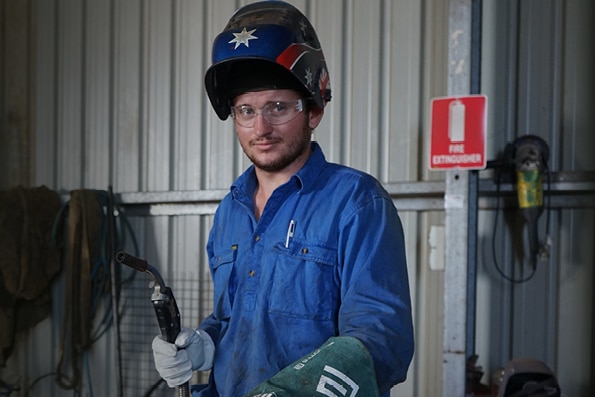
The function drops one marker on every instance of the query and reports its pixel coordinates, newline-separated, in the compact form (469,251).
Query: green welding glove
(341,367)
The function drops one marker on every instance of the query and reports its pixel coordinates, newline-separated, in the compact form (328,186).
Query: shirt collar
(305,177)
(308,174)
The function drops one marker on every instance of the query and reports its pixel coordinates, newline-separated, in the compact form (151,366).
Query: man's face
(280,147)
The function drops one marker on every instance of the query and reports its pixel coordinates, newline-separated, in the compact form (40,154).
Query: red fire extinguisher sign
(458,132)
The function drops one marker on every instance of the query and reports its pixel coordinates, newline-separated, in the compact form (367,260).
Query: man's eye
(278,107)
(246,111)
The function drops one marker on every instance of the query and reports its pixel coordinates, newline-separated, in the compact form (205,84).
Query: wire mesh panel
(139,326)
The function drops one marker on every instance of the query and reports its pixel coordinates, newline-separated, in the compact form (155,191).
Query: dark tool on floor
(164,303)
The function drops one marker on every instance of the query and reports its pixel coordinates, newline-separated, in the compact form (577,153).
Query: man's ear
(315,116)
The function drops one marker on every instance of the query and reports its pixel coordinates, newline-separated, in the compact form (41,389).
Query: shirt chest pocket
(222,266)
(304,282)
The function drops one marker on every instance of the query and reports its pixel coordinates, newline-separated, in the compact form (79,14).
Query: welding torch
(164,303)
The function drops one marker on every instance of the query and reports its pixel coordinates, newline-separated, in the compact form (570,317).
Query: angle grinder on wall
(528,156)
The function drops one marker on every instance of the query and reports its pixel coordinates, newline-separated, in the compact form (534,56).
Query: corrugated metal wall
(536,74)
(112,95)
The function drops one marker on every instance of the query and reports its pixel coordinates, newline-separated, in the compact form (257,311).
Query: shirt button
(304,250)
(252,273)
(257,238)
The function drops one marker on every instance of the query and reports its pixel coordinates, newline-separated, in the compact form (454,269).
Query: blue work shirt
(326,258)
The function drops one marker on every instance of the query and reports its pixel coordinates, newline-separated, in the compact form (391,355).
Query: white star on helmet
(243,37)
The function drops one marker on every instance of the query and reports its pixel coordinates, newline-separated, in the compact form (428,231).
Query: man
(311,294)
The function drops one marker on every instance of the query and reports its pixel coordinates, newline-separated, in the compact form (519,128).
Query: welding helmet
(526,377)
(266,45)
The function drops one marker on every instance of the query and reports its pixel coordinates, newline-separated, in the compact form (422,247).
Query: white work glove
(192,351)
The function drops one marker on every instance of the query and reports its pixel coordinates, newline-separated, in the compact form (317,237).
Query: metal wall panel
(120,102)
(534,75)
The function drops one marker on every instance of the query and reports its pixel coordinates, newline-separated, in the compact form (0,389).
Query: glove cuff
(208,348)
(342,363)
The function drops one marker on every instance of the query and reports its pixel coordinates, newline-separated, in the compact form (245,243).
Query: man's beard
(295,150)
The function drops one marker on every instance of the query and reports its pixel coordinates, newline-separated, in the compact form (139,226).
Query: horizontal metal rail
(563,190)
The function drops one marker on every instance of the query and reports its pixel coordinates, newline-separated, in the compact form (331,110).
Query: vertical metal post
(115,282)
(456,202)
(475,81)
(472,262)
(455,284)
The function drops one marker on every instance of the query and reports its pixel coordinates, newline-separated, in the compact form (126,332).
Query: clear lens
(275,113)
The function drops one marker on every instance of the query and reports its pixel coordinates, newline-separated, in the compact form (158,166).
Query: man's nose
(261,125)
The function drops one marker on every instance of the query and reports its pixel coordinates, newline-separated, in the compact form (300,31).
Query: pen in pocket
(290,231)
